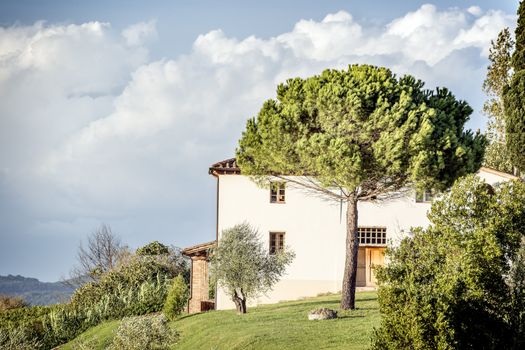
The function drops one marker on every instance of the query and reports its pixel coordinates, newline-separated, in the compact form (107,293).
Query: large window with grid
(277,192)
(375,236)
(276,242)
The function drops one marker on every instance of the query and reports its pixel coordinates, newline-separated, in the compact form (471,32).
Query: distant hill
(33,291)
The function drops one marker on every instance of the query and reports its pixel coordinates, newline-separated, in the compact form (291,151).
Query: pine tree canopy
(364,130)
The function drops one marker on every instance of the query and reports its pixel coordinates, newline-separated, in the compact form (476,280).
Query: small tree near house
(357,135)
(243,267)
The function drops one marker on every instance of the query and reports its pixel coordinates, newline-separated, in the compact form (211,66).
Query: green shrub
(144,333)
(63,324)
(137,287)
(447,287)
(177,298)
(18,339)
(25,322)
(139,270)
(153,248)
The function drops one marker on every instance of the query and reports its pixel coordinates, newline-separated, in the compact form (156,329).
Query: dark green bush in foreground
(460,283)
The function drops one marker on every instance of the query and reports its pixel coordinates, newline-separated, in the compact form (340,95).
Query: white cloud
(139,33)
(475,10)
(93,127)
(202,99)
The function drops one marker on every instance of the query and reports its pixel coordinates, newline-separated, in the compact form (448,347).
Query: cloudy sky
(112,113)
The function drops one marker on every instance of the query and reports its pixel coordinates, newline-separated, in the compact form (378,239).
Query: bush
(9,302)
(139,270)
(447,287)
(177,298)
(25,326)
(153,248)
(18,339)
(144,333)
(137,287)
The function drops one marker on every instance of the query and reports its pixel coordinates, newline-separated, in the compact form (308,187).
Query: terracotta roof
(199,249)
(499,173)
(228,166)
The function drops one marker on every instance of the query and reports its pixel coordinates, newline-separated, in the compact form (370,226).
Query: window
(372,235)
(276,242)
(425,196)
(277,194)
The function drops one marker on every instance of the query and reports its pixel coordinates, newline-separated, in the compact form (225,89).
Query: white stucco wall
(314,230)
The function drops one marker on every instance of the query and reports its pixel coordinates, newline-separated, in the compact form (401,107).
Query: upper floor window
(277,192)
(276,242)
(372,235)
(425,196)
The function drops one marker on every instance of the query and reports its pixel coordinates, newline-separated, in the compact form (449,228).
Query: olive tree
(242,266)
(359,134)
(459,284)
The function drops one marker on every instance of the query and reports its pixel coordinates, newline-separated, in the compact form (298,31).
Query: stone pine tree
(514,95)
(359,134)
(498,78)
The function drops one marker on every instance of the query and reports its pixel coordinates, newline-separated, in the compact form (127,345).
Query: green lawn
(279,326)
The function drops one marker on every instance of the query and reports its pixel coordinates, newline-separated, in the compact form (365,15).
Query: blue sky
(111,112)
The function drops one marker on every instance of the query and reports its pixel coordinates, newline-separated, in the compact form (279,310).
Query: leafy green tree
(514,95)
(498,78)
(177,298)
(153,248)
(357,135)
(453,285)
(243,267)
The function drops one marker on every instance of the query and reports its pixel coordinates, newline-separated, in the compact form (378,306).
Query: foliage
(153,248)
(140,286)
(136,271)
(177,298)
(516,281)
(18,339)
(144,333)
(446,287)
(362,128)
(243,267)
(9,302)
(359,134)
(513,98)
(24,325)
(498,77)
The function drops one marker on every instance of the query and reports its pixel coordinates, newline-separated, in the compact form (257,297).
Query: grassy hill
(279,326)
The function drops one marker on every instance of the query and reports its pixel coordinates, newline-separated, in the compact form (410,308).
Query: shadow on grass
(366,299)
(190,315)
(351,316)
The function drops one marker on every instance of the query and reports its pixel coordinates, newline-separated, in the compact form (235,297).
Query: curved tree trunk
(240,303)
(352,247)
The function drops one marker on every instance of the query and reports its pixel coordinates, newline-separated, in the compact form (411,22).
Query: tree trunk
(352,247)
(240,303)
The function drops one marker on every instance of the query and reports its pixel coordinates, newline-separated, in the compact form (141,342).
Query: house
(314,228)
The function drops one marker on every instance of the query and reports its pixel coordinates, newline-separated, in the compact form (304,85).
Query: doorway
(367,259)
